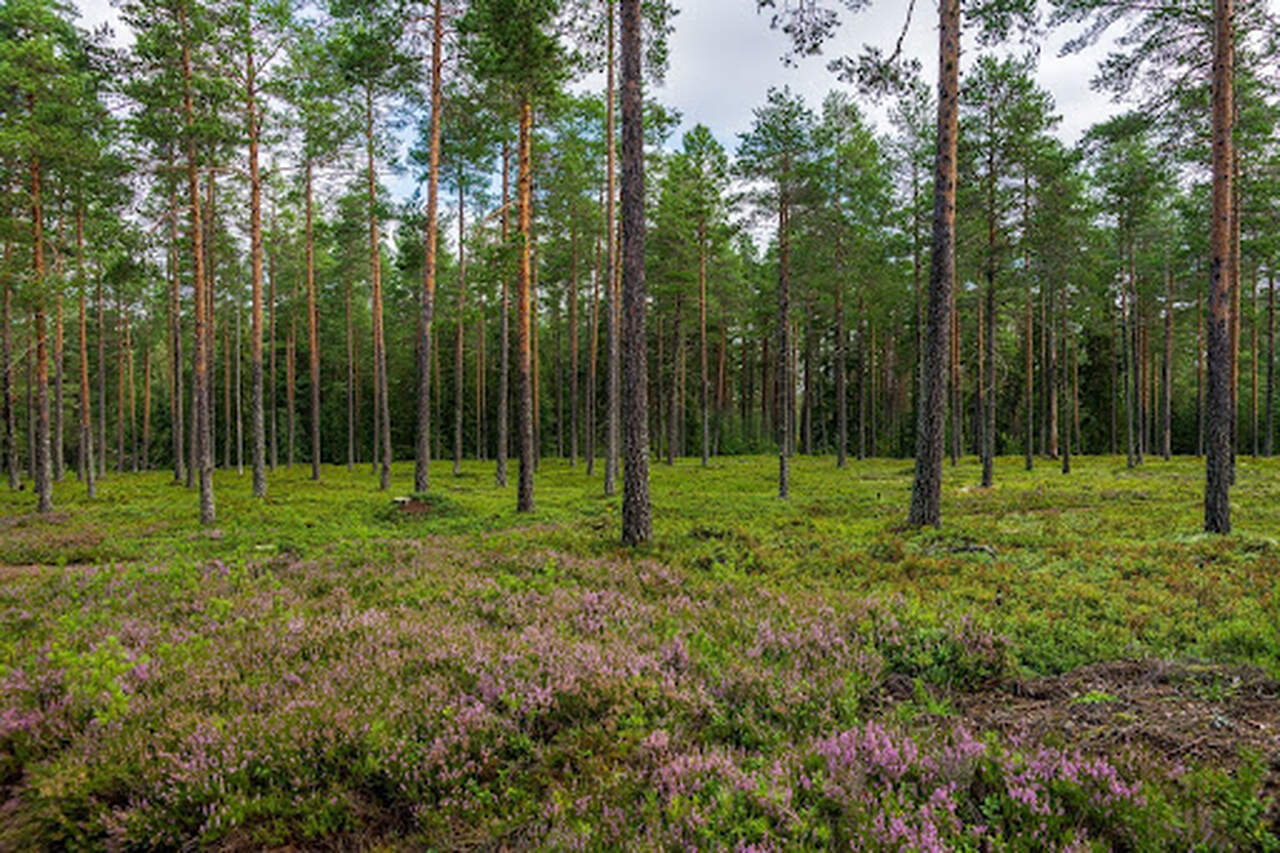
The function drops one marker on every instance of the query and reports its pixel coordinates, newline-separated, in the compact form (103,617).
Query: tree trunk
(458,332)
(211,314)
(87,470)
(926,496)
(702,333)
(1253,363)
(988,407)
(86,423)
(1271,362)
(273,425)
(122,347)
(1065,386)
(379,342)
(1217,507)
(313,338)
(176,413)
(291,380)
(1130,368)
(200,378)
(594,355)
(6,377)
(56,434)
(133,399)
(809,406)
(612,447)
(842,392)
(353,391)
(1051,368)
(637,520)
(256,420)
(427,295)
(1166,427)
(43,470)
(145,455)
(524,192)
(230,359)
(673,420)
(988,411)
(504,335)
(784,344)
(1200,377)
(573,346)
(481,372)
(956,385)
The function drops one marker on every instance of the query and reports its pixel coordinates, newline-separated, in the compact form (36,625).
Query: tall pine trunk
(926,496)
(1271,363)
(1217,507)
(200,377)
(43,469)
(988,409)
(382,404)
(612,447)
(458,331)
(637,520)
(313,342)
(258,438)
(702,334)
(86,409)
(1166,426)
(504,333)
(426,296)
(176,413)
(56,434)
(524,193)
(783,355)
(87,470)
(272,381)
(573,346)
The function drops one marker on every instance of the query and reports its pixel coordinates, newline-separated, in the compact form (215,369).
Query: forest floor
(1067,662)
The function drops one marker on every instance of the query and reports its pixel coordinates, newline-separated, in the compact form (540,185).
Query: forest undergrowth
(1066,664)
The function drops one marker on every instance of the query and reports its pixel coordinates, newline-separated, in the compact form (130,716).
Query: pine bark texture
(926,496)
(1217,507)
(637,520)
(524,192)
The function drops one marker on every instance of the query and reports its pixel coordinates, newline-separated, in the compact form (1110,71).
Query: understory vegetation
(331,667)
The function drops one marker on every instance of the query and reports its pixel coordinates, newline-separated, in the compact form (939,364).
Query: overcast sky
(724,58)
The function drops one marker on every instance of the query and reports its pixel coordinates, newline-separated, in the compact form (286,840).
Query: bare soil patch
(1176,712)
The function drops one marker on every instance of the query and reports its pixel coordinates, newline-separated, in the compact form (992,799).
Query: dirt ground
(1176,712)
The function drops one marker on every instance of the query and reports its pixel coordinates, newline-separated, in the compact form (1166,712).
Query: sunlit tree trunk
(1217,508)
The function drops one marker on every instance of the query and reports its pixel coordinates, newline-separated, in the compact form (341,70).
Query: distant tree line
(202,267)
